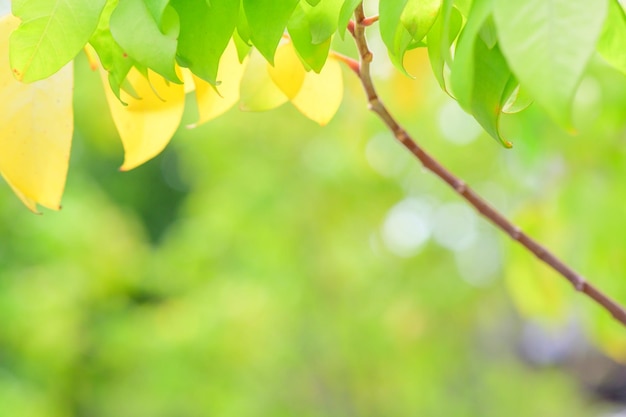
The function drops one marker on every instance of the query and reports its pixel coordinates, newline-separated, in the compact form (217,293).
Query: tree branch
(484,208)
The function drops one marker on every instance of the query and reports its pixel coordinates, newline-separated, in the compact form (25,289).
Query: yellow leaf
(36,124)
(321,94)
(258,91)
(210,103)
(147,124)
(287,73)
(187,80)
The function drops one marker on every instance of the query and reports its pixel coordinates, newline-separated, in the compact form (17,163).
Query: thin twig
(370,20)
(484,208)
(350,62)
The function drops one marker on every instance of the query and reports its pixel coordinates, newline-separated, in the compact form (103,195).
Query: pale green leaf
(51,34)
(548,44)
(612,43)
(418,17)
(134,29)
(156,9)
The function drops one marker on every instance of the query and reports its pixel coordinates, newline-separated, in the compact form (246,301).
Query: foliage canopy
(493,56)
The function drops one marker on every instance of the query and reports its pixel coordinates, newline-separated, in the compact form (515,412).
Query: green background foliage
(252,270)
(265,266)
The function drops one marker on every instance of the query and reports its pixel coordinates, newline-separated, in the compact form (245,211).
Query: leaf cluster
(492,56)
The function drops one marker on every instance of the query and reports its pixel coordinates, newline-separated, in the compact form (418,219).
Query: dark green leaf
(267,20)
(204,34)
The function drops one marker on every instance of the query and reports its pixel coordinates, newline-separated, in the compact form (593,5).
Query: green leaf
(156,9)
(518,98)
(612,43)
(395,36)
(111,54)
(440,39)
(491,88)
(418,17)
(345,14)
(462,70)
(243,48)
(243,28)
(134,29)
(548,44)
(52,32)
(323,19)
(313,2)
(308,26)
(488,33)
(204,34)
(464,6)
(267,20)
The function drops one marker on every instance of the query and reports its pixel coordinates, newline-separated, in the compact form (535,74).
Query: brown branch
(484,208)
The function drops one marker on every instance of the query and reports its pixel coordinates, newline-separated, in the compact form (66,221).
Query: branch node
(402,136)
(579,285)
(373,102)
(516,233)
(368,21)
(460,186)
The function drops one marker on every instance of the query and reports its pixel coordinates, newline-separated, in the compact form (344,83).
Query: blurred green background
(265,266)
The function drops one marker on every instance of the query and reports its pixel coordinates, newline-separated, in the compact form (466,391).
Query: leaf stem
(350,62)
(369,21)
(461,188)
